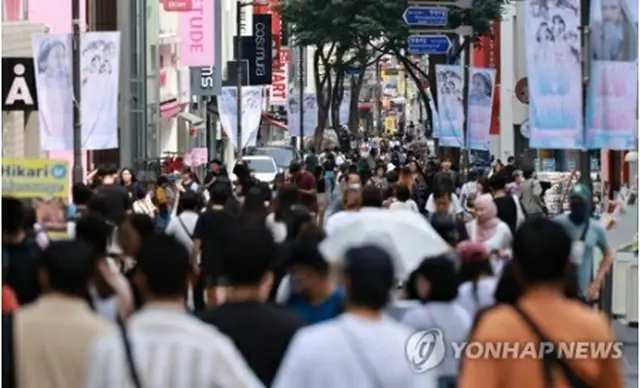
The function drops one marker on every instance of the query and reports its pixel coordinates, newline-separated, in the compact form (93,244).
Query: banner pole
(585,160)
(239,6)
(78,175)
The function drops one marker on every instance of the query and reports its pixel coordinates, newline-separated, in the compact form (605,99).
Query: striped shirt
(171,350)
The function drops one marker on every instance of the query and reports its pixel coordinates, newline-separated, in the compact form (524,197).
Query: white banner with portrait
(251,111)
(99,67)
(451,113)
(479,107)
(612,99)
(54,85)
(100,64)
(310,109)
(343,110)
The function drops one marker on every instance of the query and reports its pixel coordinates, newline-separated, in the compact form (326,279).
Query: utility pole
(585,159)
(78,175)
(301,86)
(239,6)
(465,107)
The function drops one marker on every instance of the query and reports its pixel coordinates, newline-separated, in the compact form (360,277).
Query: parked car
(282,155)
(264,167)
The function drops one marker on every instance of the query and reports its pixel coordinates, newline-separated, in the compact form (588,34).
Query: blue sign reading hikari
(426,16)
(429,44)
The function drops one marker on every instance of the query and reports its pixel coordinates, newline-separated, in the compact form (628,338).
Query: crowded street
(319,194)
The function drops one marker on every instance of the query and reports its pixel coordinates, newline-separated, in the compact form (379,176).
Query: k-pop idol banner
(612,97)
(310,107)
(450,109)
(52,57)
(251,111)
(100,63)
(343,111)
(479,107)
(435,125)
(555,73)
(99,66)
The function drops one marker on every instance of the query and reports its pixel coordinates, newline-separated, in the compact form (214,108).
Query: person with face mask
(586,234)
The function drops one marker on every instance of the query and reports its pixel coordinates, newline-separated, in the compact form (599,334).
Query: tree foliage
(355,33)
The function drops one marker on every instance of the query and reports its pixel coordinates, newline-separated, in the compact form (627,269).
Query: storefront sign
(279,80)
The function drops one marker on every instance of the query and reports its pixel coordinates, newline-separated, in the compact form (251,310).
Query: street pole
(585,160)
(301,86)
(378,99)
(465,108)
(239,76)
(78,175)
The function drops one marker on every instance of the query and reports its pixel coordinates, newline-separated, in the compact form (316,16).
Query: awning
(275,123)
(190,118)
(170,108)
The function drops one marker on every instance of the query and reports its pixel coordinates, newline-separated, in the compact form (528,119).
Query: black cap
(369,265)
(216,161)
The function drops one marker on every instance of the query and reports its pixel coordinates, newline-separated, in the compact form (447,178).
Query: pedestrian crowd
(223,282)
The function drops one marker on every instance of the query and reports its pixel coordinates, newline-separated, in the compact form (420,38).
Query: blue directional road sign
(429,44)
(426,16)
(352,71)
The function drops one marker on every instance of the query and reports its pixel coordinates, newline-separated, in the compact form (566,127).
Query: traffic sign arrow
(426,16)
(429,44)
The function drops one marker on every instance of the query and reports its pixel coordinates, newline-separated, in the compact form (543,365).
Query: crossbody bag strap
(185,227)
(583,236)
(128,350)
(365,363)
(549,360)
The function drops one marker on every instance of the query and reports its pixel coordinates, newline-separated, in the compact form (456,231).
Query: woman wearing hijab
(490,231)
(478,284)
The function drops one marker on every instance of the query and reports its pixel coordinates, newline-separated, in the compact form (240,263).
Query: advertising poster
(450,109)
(479,107)
(44,185)
(612,99)
(554,69)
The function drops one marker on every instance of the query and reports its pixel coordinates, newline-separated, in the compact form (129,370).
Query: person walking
(362,348)
(47,342)
(162,345)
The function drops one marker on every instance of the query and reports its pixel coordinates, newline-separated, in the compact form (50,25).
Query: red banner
(488,55)
(177,5)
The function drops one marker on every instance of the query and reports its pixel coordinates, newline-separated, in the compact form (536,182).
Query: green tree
(480,17)
(340,38)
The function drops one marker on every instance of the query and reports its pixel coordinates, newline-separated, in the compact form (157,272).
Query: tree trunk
(356,83)
(336,97)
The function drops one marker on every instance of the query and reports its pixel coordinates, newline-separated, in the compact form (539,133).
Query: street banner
(451,113)
(480,107)
(435,125)
(251,112)
(44,185)
(280,79)
(52,60)
(198,35)
(343,110)
(100,64)
(310,107)
(554,69)
(612,98)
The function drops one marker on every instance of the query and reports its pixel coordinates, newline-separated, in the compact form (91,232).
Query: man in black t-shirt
(116,199)
(248,270)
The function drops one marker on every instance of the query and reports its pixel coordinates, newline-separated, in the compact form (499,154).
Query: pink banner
(57,18)
(197,32)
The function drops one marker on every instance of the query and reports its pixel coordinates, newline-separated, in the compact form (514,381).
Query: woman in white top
(403,200)
(478,283)
(437,285)
(142,203)
(489,230)
(183,225)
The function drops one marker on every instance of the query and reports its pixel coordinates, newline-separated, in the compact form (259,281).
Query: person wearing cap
(361,348)
(586,235)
